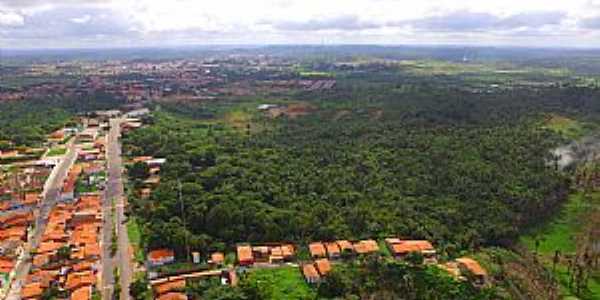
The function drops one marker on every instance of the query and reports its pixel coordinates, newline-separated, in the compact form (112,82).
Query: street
(114,195)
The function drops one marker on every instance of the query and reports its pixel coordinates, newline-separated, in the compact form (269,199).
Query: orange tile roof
(19,232)
(317,249)
(288,250)
(217,257)
(323,266)
(472,265)
(366,246)
(173,296)
(345,245)
(244,253)
(92,250)
(80,279)
(82,293)
(46,247)
(404,247)
(169,286)
(310,271)
(332,248)
(6,265)
(32,290)
(160,254)
(82,266)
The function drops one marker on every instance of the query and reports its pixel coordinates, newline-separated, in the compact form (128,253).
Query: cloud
(456,21)
(81,20)
(590,23)
(533,19)
(11,19)
(347,22)
(465,21)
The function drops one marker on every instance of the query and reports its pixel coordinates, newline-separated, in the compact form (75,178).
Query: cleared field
(281,283)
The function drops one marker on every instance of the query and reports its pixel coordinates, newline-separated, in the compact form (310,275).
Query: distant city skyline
(36,24)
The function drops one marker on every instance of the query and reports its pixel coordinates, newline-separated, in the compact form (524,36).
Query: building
(333,250)
(310,274)
(317,250)
(401,248)
(471,269)
(366,247)
(161,257)
(323,266)
(245,256)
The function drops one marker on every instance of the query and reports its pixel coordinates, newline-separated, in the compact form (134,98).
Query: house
(32,291)
(472,270)
(317,250)
(260,253)
(333,250)
(276,255)
(310,274)
(346,247)
(161,257)
(400,248)
(169,286)
(217,258)
(81,279)
(288,252)
(366,247)
(245,256)
(323,266)
(173,296)
(82,293)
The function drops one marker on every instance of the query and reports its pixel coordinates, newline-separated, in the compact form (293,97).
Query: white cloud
(81,20)
(11,19)
(156,22)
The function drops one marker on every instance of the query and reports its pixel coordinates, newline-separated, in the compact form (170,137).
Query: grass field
(282,283)
(560,234)
(135,239)
(57,151)
(569,128)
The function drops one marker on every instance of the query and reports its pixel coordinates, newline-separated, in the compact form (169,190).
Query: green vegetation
(379,278)
(28,122)
(566,127)
(135,239)
(57,151)
(560,233)
(280,283)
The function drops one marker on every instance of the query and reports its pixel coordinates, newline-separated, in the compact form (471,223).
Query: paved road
(50,196)
(114,190)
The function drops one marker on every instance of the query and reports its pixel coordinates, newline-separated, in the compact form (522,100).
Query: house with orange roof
(161,257)
(323,266)
(472,270)
(173,296)
(76,280)
(31,291)
(366,247)
(401,248)
(317,250)
(82,293)
(346,247)
(311,275)
(169,286)
(6,265)
(217,258)
(333,250)
(244,255)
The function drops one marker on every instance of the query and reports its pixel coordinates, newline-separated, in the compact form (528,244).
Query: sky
(40,24)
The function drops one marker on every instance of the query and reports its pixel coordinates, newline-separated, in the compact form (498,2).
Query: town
(252,174)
